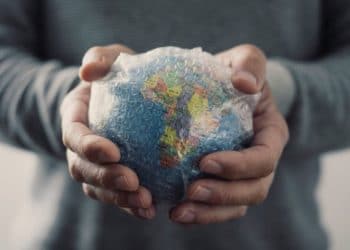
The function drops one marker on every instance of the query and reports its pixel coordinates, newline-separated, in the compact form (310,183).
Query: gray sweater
(41,44)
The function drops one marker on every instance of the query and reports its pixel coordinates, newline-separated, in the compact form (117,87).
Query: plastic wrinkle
(166,109)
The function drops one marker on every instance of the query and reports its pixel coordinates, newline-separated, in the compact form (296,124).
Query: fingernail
(121,182)
(201,194)
(186,217)
(246,76)
(145,213)
(211,167)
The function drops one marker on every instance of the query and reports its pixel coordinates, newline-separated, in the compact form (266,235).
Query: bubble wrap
(167,108)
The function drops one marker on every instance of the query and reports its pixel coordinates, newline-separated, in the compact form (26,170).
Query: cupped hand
(246,175)
(92,159)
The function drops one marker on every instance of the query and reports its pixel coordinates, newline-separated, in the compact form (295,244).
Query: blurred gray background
(333,193)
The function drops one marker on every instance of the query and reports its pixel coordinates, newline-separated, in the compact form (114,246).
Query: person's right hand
(93,160)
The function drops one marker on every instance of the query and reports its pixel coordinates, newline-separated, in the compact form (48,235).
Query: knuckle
(74,170)
(284,130)
(114,199)
(89,147)
(242,211)
(253,50)
(119,47)
(142,200)
(89,192)
(269,166)
(226,197)
(286,135)
(102,177)
(66,131)
(260,195)
(64,104)
(95,50)
(65,138)
(281,128)
(120,199)
(269,163)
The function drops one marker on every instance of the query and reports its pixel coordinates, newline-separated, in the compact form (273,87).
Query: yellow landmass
(152,82)
(169,136)
(197,105)
(174,91)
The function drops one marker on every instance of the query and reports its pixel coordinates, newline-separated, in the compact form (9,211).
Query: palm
(79,103)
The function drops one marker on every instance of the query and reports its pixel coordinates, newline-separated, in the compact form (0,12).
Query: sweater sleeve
(319,119)
(30,90)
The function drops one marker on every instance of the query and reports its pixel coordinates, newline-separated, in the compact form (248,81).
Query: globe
(166,109)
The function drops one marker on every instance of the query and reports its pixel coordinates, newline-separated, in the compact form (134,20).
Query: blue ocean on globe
(165,110)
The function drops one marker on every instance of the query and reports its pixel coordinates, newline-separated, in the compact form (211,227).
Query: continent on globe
(185,106)
(167,108)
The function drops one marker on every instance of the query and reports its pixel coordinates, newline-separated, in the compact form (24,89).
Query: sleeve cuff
(282,86)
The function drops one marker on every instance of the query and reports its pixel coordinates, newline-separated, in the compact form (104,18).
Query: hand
(246,175)
(93,160)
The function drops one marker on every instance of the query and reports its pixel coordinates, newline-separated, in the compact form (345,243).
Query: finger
(79,98)
(197,213)
(218,192)
(113,176)
(75,133)
(80,139)
(140,198)
(123,200)
(249,67)
(98,61)
(257,161)
(142,213)
(145,213)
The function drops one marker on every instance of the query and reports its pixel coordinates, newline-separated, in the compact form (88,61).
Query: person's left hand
(246,175)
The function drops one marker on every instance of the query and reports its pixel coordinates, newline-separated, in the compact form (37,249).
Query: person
(299,62)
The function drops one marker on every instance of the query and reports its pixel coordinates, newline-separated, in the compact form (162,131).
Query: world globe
(167,108)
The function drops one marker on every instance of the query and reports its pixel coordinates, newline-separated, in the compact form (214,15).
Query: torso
(281,28)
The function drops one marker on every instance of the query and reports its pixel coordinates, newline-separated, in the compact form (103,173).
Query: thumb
(98,60)
(248,65)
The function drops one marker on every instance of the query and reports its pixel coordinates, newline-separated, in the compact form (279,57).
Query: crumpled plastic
(166,109)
